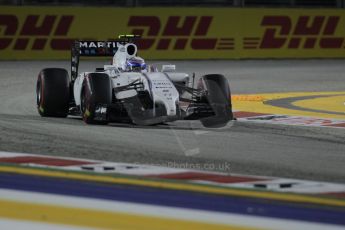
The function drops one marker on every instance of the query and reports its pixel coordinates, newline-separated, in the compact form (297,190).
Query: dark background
(191,3)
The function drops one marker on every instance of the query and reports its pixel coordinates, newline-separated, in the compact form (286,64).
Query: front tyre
(52,92)
(96,95)
(218,96)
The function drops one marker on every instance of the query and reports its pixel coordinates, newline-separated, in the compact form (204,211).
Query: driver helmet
(135,64)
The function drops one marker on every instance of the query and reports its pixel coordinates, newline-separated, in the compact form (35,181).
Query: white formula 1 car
(129,90)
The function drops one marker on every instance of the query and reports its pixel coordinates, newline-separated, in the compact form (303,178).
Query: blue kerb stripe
(174,198)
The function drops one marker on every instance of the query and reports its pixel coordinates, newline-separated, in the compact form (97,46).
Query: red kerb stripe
(337,125)
(42,161)
(335,194)
(241,114)
(206,177)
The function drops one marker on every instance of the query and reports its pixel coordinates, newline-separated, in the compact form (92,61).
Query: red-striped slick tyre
(52,92)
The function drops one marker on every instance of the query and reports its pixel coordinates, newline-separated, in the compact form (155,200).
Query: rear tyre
(96,94)
(218,96)
(52,92)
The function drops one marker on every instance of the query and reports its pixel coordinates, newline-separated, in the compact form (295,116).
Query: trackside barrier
(176,33)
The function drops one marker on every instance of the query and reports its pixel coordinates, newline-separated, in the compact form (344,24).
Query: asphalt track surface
(259,149)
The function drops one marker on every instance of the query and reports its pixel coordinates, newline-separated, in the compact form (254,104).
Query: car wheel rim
(39,93)
(82,102)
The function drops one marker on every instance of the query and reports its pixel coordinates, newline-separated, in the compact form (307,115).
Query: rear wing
(96,49)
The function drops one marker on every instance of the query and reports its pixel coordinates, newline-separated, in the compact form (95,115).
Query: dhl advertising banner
(175,33)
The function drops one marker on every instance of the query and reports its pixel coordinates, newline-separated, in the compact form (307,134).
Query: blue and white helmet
(135,64)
